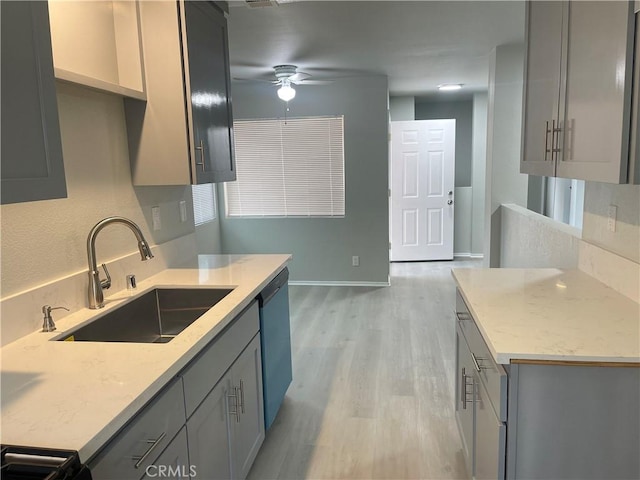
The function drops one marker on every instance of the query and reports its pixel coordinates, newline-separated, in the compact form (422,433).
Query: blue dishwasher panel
(275,338)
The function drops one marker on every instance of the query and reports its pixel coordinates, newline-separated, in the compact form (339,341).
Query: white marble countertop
(77,395)
(550,314)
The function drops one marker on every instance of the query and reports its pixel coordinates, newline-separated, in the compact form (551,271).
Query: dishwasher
(275,341)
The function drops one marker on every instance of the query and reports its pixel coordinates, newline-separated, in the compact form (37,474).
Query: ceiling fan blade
(299,76)
(313,82)
(259,80)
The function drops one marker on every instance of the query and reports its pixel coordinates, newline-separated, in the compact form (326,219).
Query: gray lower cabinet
(207,423)
(248,429)
(32,166)
(544,420)
(135,448)
(465,393)
(208,433)
(227,429)
(479,414)
(173,463)
(223,395)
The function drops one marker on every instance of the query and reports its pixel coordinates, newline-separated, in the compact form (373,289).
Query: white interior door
(422,186)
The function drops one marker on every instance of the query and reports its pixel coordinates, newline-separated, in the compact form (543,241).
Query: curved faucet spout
(96,295)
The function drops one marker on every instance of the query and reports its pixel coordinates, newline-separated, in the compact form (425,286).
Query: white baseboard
(324,283)
(468,255)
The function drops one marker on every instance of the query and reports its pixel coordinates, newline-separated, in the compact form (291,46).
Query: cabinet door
(208,78)
(248,433)
(465,393)
(599,64)
(490,439)
(32,166)
(542,86)
(208,433)
(173,463)
(129,453)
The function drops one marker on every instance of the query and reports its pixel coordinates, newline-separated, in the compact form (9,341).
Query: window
(204,203)
(286,168)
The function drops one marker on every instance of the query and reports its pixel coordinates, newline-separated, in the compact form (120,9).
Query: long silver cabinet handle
(547,131)
(234,412)
(464,394)
(154,444)
(201,148)
(242,396)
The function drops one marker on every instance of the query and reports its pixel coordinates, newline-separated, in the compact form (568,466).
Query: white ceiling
(417,44)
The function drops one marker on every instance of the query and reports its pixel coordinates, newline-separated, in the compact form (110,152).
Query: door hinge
(389,245)
(389,193)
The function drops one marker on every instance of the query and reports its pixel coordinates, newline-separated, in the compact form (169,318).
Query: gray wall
(402,109)
(479,161)
(462,111)
(44,241)
(531,240)
(322,247)
(625,241)
(504,182)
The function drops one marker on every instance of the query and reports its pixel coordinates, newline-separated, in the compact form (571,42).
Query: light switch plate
(612,214)
(155,218)
(183,211)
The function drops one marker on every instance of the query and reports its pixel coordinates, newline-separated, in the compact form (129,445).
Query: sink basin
(155,317)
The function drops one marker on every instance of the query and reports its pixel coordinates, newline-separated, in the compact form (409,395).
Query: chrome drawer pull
(154,444)
(462,316)
(477,365)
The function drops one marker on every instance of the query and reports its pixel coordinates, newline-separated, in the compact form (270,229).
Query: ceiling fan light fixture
(286,92)
(449,87)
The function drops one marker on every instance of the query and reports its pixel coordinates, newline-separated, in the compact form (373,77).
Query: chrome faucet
(96,295)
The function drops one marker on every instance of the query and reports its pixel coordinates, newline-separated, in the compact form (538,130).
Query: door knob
(449,202)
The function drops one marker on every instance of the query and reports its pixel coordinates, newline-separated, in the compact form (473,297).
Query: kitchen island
(79,395)
(547,375)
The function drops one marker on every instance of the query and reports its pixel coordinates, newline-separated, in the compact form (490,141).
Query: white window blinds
(288,168)
(204,203)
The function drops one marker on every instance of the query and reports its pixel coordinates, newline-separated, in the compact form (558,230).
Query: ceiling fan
(285,77)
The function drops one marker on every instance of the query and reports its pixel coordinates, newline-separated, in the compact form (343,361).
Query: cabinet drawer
(146,436)
(210,365)
(488,371)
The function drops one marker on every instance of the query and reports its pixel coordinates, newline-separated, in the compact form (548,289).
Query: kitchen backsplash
(21,314)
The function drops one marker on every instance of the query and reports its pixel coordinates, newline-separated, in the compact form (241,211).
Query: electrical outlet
(355,261)
(155,218)
(183,211)
(612,214)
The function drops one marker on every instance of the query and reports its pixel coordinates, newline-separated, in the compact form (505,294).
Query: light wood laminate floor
(373,372)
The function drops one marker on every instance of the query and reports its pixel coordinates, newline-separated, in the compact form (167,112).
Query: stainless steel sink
(155,317)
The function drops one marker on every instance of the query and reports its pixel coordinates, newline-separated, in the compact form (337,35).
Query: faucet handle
(107,282)
(48,325)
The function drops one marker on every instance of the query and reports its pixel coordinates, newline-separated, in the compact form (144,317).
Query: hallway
(372,392)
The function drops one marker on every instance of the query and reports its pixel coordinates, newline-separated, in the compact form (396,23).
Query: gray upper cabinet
(541,95)
(208,68)
(183,133)
(32,164)
(577,99)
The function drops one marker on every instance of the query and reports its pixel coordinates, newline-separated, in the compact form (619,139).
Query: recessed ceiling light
(449,87)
